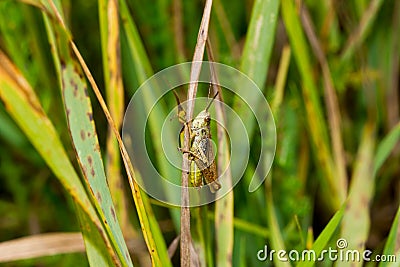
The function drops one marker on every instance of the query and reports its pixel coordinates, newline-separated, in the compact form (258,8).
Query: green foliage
(57,148)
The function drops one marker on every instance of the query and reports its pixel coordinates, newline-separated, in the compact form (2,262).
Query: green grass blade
(260,40)
(110,42)
(386,146)
(276,234)
(258,47)
(316,123)
(391,246)
(149,225)
(96,250)
(325,236)
(84,138)
(356,220)
(255,61)
(22,104)
(143,70)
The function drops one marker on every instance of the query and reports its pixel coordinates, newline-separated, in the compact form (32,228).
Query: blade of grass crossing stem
(84,138)
(391,246)
(109,30)
(144,71)
(224,206)
(324,237)
(316,122)
(158,255)
(22,104)
(356,220)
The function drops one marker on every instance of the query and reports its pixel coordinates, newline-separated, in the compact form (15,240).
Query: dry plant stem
(331,103)
(358,35)
(178,29)
(194,75)
(41,245)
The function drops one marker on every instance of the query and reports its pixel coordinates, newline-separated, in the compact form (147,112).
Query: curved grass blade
(324,237)
(22,104)
(149,224)
(84,137)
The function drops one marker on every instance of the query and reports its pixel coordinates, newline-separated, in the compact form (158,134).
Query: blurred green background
(330,70)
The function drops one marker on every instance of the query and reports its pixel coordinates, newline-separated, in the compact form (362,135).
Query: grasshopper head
(202,120)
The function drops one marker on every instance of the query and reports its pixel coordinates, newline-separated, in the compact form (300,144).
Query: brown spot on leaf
(62,62)
(113,214)
(90,115)
(92,172)
(86,92)
(68,111)
(364,201)
(75,86)
(98,196)
(83,135)
(90,160)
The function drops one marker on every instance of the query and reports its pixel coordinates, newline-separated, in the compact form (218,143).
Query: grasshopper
(203,169)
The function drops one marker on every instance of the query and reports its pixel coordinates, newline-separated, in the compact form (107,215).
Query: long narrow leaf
(84,138)
(22,104)
(356,220)
(316,123)
(392,247)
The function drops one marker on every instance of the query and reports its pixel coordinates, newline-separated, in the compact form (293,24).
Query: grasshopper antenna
(209,104)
